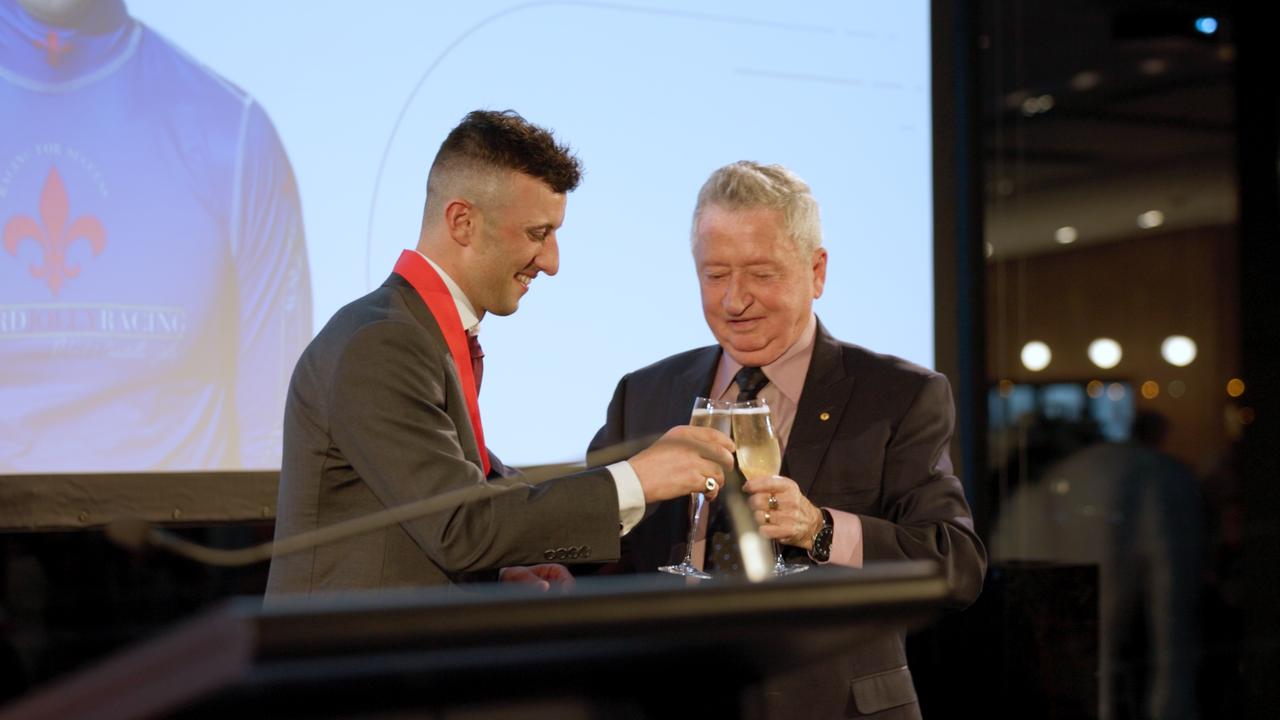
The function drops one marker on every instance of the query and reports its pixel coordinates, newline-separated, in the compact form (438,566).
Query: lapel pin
(824,416)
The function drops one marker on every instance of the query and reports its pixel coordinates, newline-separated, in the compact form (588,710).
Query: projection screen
(189,190)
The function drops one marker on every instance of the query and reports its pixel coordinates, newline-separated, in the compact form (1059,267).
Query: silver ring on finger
(711,484)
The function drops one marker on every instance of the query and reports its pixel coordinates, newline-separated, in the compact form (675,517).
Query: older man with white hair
(866,473)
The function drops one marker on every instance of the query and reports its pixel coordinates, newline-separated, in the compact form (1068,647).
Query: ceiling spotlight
(1065,235)
(1085,80)
(1206,25)
(1153,66)
(1178,350)
(1105,353)
(1150,219)
(1036,105)
(1036,356)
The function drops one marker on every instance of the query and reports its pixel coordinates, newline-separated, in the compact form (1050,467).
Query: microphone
(756,551)
(137,535)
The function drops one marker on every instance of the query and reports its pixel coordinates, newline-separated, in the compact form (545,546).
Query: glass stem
(698,499)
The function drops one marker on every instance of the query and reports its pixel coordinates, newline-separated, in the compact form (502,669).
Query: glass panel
(1112,344)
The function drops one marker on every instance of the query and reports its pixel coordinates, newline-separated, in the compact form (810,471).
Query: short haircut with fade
(487,143)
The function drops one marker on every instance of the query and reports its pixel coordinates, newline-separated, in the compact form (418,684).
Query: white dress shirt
(630,493)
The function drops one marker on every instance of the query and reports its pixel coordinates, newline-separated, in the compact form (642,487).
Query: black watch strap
(821,550)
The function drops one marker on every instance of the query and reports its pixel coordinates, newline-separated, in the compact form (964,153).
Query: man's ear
(819,272)
(461,221)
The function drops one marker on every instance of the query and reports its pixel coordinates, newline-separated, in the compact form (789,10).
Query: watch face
(822,544)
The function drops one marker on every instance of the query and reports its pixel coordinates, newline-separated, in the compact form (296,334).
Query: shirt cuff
(846,540)
(630,495)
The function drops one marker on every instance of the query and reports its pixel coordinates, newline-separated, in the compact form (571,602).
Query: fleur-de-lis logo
(54,48)
(54,234)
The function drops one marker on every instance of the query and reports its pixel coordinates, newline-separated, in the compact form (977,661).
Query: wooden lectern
(637,646)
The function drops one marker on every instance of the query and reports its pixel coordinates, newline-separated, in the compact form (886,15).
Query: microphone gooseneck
(138,535)
(753,548)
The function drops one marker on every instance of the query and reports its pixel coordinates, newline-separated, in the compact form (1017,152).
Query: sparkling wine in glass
(760,457)
(706,413)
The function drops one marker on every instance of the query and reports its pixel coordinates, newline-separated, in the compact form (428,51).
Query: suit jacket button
(573,553)
(586,552)
(549,554)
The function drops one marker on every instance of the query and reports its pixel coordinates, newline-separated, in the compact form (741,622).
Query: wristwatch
(821,550)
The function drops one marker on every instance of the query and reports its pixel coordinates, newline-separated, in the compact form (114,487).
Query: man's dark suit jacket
(881,453)
(376,418)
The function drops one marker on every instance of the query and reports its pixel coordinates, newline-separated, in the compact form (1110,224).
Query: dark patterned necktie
(751,381)
(723,552)
(477,358)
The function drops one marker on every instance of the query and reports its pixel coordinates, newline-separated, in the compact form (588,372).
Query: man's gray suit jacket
(870,437)
(376,418)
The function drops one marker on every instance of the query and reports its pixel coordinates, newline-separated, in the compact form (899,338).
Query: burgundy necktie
(477,358)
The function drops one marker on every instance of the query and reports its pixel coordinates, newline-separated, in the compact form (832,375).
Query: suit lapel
(420,312)
(416,306)
(691,382)
(827,386)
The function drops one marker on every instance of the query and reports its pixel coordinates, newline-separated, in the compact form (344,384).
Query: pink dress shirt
(786,382)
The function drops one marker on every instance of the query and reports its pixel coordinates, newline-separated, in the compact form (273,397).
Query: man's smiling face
(516,242)
(757,287)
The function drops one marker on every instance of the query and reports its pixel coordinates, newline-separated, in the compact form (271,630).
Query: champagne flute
(760,457)
(713,414)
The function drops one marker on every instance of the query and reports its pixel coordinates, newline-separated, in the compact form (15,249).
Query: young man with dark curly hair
(383,407)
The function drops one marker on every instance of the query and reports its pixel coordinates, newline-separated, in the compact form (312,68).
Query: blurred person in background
(1136,513)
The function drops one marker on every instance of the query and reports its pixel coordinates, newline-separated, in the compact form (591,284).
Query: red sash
(413,267)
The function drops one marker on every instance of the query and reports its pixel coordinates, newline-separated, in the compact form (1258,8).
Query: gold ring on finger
(767,517)
(773,503)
